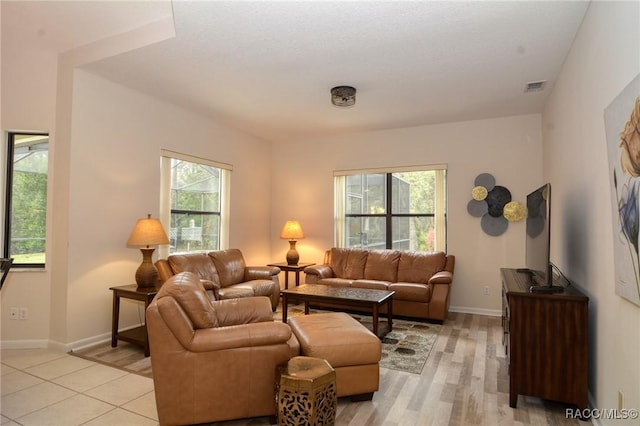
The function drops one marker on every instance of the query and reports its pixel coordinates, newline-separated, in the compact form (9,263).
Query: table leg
(297,278)
(114,319)
(286,280)
(147,351)
(375,319)
(284,307)
(390,314)
(306,308)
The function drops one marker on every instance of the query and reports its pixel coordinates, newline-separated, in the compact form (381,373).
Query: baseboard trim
(477,311)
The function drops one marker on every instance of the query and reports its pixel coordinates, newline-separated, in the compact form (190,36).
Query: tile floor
(43,387)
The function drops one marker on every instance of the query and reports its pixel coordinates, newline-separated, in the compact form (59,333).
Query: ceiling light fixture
(343,96)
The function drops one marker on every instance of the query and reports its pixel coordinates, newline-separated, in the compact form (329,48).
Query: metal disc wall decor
(493,204)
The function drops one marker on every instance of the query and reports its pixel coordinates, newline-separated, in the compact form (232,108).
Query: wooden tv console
(545,338)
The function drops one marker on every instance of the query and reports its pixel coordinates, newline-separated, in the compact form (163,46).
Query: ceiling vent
(535,86)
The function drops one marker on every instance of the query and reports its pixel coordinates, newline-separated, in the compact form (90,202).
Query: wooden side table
(137,335)
(306,392)
(291,268)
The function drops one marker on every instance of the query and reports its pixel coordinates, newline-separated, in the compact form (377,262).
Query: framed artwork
(622,127)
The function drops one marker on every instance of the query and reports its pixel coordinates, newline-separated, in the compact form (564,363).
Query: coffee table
(343,296)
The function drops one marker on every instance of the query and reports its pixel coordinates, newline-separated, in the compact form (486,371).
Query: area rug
(406,348)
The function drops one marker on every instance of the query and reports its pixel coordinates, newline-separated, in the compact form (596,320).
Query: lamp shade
(292,230)
(147,232)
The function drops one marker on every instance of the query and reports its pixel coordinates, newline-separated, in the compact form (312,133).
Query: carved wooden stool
(306,392)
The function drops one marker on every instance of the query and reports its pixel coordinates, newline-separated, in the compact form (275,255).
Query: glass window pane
(366,194)
(365,232)
(28,199)
(195,207)
(419,197)
(194,186)
(375,194)
(413,233)
(194,232)
(413,192)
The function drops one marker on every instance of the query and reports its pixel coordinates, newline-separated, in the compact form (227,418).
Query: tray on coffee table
(348,297)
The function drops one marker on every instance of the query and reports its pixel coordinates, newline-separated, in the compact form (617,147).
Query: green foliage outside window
(26,214)
(195,207)
(392,210)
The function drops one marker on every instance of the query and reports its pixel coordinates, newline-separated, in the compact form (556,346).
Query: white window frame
(439,202)
(33,141)
(165,193)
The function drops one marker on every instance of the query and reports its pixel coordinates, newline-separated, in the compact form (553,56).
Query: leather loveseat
(421,280)
(225,275)
(213,361)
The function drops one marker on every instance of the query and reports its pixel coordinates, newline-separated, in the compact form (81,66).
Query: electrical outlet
(13,313)
(486,290)
(24,313)
(620,400)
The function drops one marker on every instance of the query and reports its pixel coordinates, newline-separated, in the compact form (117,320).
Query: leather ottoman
(351,349)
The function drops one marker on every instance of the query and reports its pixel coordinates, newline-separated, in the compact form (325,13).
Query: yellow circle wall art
(493,205)
(479,193)
(515,211)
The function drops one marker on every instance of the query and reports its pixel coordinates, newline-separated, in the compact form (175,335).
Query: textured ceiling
(267,67)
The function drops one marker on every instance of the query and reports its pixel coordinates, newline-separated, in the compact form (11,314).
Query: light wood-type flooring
(464,382)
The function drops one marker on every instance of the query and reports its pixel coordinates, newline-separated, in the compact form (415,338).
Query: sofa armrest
(442,277)
(318,272)
(164,270)
(243,310)
(260,272)
(241,336)
(211,288)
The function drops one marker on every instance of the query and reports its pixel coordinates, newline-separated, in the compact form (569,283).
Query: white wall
(508,148)
(604,58)
(117,136)
(28,104)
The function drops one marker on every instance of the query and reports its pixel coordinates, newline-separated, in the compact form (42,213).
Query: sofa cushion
(258,287)
(348,263)
(411,291)
(234,292)
(382,265)
(230,266)
(371,284)
(336,282)
(187,290)
(198,263)
(419,267)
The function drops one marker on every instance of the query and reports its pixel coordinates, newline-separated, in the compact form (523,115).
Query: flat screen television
(538,241)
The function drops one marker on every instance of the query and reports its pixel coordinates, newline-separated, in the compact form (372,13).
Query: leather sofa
(213,361)
(225,275)
(421,280)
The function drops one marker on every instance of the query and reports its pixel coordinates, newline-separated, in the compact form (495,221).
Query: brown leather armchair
(213,361)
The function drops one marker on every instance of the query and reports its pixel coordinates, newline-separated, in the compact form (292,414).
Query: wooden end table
(137,335)
(291,268)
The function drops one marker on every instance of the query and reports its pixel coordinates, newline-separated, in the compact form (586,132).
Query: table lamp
(147,232)
(292,231)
